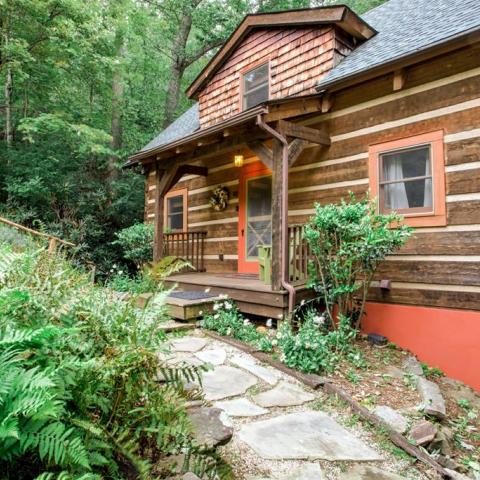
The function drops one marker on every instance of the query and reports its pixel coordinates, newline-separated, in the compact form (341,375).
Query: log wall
(298,58)
(440,266)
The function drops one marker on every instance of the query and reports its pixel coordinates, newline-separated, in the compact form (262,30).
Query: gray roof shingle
(184,125)
(405,27)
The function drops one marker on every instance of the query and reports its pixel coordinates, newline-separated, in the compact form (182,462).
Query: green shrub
(348,241)
(228,321)
(313,348)
(78,377)
(136,242)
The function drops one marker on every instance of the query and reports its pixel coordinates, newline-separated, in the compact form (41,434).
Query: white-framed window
(255,86)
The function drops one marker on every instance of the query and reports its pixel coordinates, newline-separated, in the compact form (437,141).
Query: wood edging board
(316,382)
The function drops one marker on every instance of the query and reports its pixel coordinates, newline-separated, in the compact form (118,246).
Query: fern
(79,396)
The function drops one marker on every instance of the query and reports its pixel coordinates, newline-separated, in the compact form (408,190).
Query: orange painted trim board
(448,339)
(251,170)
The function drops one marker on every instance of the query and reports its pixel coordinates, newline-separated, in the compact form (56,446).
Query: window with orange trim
(175,210)
(408,176)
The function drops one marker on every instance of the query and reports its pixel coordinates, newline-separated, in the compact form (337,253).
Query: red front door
(255,214)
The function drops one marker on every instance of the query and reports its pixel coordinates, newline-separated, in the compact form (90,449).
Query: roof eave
(237,120)
(402,61)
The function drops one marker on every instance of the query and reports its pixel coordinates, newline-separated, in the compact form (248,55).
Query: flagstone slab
(208,427)
(225,381)
(283,395)
(369,472)
(306,435)
(241,407)
(216,356)
(188,344)
(392,418)
(248,363)
(306,471)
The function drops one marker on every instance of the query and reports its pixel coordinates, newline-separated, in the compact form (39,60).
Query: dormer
(273,56)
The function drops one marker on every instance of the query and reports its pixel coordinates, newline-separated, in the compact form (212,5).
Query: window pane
(175,212)
(259,214)
(414,162)
(402,195)
(256,97)
(256,77)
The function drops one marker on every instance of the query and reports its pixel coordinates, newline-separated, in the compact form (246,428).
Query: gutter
(284,243)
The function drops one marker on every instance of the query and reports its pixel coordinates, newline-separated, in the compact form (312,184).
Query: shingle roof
(405,27)
(184,125)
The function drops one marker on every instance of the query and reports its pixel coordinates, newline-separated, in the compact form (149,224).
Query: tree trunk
(177,68)
(117,102)
(8,107)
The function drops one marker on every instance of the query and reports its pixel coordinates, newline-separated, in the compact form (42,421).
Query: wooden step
(187,310)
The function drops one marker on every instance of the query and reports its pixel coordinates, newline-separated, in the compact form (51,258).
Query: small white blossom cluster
(319,320)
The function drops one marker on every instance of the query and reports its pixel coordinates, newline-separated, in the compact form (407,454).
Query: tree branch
(193,57)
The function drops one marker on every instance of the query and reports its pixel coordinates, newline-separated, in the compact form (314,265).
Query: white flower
(307,346)
(269,323)
(302,303)
(229,331)
(111,270)
(274,342)
(246,322)
(228,305)
(120,272)
(200,312)
(216,316)
(319,320)
(279,335)
(223,296)
(216,306)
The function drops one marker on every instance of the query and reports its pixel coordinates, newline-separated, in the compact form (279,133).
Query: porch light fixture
(238,160)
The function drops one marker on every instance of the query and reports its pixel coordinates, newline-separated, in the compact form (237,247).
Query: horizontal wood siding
(439,266)
(298,58)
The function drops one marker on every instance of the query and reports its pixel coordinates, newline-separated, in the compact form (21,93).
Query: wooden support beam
(262,152)
(399,79)
(301,106)
(305,133)
(160,176)
(327,102)
(295,149)
(277,195)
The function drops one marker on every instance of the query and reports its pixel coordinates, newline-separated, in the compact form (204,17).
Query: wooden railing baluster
(187,245)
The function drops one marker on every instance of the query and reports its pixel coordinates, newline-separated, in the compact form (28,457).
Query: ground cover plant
(79,396)
(348,241)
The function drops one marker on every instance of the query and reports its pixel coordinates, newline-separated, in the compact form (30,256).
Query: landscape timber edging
(315,382)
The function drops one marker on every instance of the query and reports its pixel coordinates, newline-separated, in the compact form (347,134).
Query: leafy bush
(348,241)
(136,242)
(78,370)
(149,279)
(14,238)
(228,321)
(313,348)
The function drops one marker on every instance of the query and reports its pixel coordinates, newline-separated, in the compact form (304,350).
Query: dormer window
(255,86)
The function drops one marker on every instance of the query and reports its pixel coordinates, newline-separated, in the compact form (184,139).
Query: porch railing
(187,245)
(299,254)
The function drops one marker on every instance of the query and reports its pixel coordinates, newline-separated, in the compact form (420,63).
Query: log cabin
(305,106)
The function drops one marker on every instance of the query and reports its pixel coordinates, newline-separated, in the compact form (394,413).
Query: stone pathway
(280,430)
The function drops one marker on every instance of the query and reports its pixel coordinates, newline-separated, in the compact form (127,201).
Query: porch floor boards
(251,295)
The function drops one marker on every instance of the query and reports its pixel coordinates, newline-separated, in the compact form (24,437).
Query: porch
(251,295)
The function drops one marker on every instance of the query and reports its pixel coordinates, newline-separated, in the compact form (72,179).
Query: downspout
(284,244)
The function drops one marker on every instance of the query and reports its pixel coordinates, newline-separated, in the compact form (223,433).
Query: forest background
(83,85)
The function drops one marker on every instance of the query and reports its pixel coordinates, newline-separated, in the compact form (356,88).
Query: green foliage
(78,391)
(431,371)
(313,348)
(136,243)
(228,321)
(348,241)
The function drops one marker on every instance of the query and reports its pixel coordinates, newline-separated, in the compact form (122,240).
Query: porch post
(277,200)
(158,225)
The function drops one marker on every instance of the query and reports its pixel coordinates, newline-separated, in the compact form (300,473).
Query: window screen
(255,86)
(175,212)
